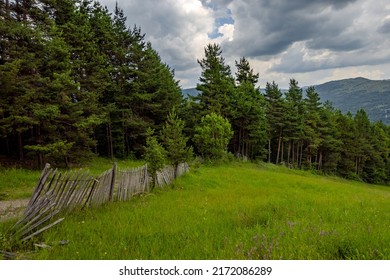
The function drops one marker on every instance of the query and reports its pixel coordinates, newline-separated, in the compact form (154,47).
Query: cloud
(357,44)
(279,37)
(300,59)
(385,26)
(177,29)
(266,28)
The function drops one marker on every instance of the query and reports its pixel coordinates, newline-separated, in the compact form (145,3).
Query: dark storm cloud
(385,27)
(270,27)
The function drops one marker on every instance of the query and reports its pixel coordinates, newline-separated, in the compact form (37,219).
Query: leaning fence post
(40,185)
(112,183)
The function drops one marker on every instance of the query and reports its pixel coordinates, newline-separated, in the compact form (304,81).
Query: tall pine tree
(216,83)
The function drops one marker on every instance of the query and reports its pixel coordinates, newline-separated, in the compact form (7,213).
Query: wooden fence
(132,182)
(168,174)
(59,193)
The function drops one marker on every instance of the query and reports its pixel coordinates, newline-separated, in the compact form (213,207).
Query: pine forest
(77,82)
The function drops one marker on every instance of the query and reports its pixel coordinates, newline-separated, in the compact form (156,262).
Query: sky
(312,41)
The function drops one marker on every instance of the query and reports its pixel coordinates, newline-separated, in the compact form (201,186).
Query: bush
(213,136)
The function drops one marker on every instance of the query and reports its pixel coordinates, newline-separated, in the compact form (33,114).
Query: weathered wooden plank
(90,195)
(33,210)
(43,229)
(112,183)
(37,215)
(41,183)
(83,192)
(41,221)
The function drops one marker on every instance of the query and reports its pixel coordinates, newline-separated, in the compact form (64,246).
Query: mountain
(190,92)
(350,95)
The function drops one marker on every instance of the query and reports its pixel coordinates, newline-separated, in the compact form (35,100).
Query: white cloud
(227,31)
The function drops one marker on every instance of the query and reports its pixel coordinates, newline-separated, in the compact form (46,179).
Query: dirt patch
(12,208)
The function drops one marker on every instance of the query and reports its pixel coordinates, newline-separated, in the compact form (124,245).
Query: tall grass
(238,211)
(16,183)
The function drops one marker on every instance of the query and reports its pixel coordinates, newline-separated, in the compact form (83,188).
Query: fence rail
(59,193)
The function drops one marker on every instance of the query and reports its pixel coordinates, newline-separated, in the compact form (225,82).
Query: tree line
(75,81)
(293,128)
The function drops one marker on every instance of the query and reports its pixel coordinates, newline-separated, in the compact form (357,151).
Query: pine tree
(18,77)
(155,155)
(276,123)
(174,141)
(216,83)
(330,140)
(248,116)
(363,149)
(349,149)
(374,168)
(212,136)
(312,122)
(153,93)
(245,73)
(294,130)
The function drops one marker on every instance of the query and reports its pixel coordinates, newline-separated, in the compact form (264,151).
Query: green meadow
(233,211)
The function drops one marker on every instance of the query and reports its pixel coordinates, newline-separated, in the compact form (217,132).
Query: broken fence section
(168,174)
(58,193)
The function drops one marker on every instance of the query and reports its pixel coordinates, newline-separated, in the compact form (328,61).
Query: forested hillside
(77,82)
(350,95)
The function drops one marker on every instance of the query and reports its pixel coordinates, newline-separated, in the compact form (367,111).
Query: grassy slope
(235,212)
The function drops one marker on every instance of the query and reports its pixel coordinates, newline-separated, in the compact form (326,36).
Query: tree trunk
(110,150)
(279,142)
(301,156)
(24,11)
(320,161)
(293,153)
(289,153)
(269,150)
(7,12)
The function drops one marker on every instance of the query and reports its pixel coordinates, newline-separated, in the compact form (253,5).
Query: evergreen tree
(245,73)
(153,93)
(174,141)
(349,149)
(276,123)
(216,83)
(374,168)
(294,130)
(247,114)
(363,149)
(155,155)
(212,136)
(328,155)
(312,122)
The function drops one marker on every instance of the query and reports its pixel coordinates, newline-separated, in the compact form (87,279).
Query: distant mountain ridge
(350,95)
